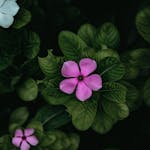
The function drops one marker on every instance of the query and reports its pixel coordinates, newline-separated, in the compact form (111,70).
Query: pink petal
(83,92)
(18,133)
(68,85)
(17,141)
(32,140)
(94,82)
(25,146)
(28,132)
(87,66)
(70,69)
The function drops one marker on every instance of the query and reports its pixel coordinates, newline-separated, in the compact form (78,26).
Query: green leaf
(143,23)
(117,111)
(83,113)
(71,45)
(28,90)
(102,123)
(74,141)
(102,54)
(111,69)
(146,92)
(19,116)
(23,18)
(52,94)
(51,65)
(132,98)
(31,44)
(140,57)
(52,117)
(87,33)
(62,141)
(114,92)
(107,35)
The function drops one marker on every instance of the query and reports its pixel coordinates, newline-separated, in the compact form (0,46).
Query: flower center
(80,78)
(24,138)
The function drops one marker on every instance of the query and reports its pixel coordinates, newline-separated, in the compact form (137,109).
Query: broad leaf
(31,44)
(87,33)
(71,45)
(19,116)
(83,113)
(50,65)
(117,111)
(132,97)
(146,92)
(102,123)
(143,23)
(111,69)
(28,90)
(114,92)
(52,117)
(22,18)
(108,36)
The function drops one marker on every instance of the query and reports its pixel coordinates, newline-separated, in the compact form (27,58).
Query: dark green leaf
(111,69)
(114,92)
(22,18)
(28,90)
(143,23)
(107,35)
(71,45)
(83,113)
(146,92)
(87,34)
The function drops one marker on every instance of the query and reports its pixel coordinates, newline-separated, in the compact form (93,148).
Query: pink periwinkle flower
(80,78)
(24,139)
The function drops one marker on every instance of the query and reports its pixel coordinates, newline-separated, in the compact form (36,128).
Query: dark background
(54,16)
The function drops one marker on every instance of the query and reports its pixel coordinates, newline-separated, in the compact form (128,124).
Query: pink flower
(24,139)
(80,78)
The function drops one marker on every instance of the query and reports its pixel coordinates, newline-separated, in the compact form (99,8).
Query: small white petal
(6,20)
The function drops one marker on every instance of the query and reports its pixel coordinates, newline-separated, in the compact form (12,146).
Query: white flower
(8,9)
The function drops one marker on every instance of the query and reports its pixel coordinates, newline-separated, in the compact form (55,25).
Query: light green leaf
(146,92)
(87,33)
(51,65)
(111,69)
(31,44)
(117,111)
(28,90)
(71,45)
(19,116)
(143,23)
(83,113)
(22,18)
(132,98)
(114,92)
(107,35)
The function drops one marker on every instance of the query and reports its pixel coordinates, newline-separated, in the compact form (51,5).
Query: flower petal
(9,8)
(83,92)
(25,146)
(87,66)
(68,85)
(32,140)
(17,141)
(70,69)
(6,20)
(2,2)
(94,82)
(28,132)
(18,133)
